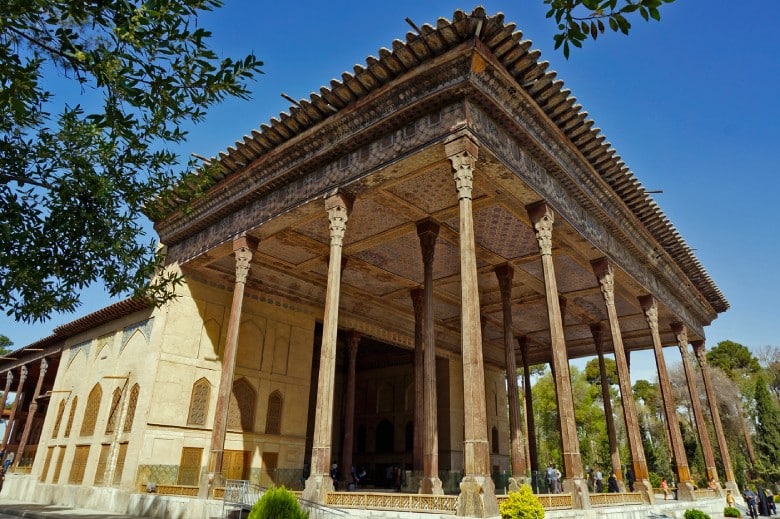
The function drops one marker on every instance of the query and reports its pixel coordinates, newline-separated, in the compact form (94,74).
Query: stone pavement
(38,511)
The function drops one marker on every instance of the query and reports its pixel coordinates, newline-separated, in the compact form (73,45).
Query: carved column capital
(22,374)
(542,218)
(597,331)
(338,207)
(700,352)
(353,341)
(428,232)
(418,298)
(44,367)
(9,378)
(650,308)
(681,334)
(243,249)
(463,172)
(602,268)
(505,273)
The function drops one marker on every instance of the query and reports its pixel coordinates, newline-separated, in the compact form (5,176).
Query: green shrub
(277,503)
(695,514)
(522,504)
(730,511)
(655,480)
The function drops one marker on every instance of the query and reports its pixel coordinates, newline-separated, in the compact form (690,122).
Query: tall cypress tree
(767,440)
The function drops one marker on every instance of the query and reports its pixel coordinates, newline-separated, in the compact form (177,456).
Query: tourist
(770,501)
(665,488)
(730,501)
(598,479)
(612,484)
(335,476)
(750,500)
(630,479)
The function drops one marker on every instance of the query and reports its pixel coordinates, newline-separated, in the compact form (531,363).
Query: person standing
(598,477)
(665,488)
(612,484)
(630,479)
(750,500)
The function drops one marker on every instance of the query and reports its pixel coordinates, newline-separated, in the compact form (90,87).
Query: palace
(364,277)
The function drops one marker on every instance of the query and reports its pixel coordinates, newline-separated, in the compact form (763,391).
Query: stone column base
(208,482)
(644,486)
(515,482)
(477,497)
(685,492)
(578,488)
(732,485)
(430,485)
(317,488)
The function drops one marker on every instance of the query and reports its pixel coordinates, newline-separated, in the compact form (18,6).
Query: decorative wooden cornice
(513,53)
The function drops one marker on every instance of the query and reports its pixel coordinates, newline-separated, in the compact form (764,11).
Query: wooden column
(681,334)
(349,406)
(614,454)
(31,410)
(504,274)
(418,454)
(680,461)
(477,491)
(338,206)
(542,218)
(243,248)
(9,379)
(10,423)
(428,232)
(712,400)
(533,458)
(605,275)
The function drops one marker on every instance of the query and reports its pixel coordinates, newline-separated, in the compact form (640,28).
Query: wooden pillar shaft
(681,335)
(31,410)
(712,400)
(12,417)
(614,453)
(605,276)
(533,458)
(504,274)
(428,232)
(349,406)
(685,487)
(319,483)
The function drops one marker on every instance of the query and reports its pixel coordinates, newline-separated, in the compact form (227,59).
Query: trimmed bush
(522,504)
(730,511)
(696,514)
(277,503)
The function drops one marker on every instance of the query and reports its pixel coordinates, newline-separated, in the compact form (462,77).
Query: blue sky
(687,102)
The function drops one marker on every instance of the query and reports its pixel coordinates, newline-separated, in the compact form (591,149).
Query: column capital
(338,205)
(650,308)
(542,218)
(597,331)
(418,298)
(681,334)
(44,367)
(428,232)
(353,341)
(9,378)
(22,374)
(700,352)
(605,275)
(505,273)
(244,248)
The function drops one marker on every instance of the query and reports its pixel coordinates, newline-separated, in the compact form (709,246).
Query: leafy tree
(76,171)
(5,344)
(734,359)
(579,20)
(593,372)
(277,503)
(767,440)
(522,504)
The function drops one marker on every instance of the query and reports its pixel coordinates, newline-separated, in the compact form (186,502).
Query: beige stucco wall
(165,351)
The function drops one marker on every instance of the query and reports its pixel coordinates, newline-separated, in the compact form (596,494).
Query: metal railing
(240,495)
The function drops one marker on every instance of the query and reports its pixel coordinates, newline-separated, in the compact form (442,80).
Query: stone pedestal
(317,487)
(477,497)
(578,488)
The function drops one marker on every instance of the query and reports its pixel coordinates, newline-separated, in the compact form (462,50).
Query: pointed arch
(113,411)
(131,405)
(273,420)
(241,411)
(494,440)
(91,411)
(199,402)
(71,415)
(58,421)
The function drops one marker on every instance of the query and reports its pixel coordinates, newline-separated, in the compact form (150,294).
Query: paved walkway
(38,511)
